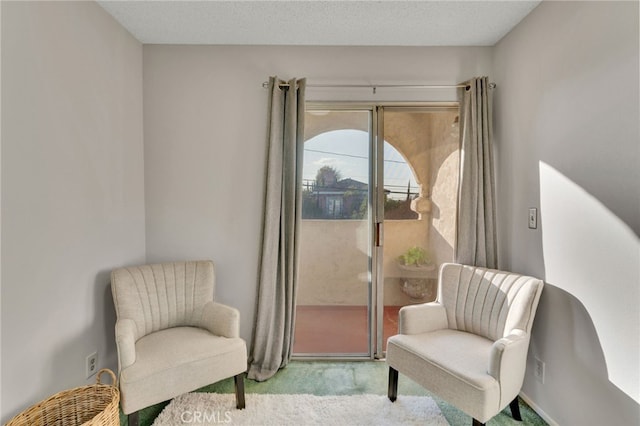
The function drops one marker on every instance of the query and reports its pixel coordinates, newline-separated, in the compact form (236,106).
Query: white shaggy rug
(300,410)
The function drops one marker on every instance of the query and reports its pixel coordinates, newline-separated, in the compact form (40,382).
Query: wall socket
(538,371)
(91,364)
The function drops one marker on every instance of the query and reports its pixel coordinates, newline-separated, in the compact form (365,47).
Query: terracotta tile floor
(337,329)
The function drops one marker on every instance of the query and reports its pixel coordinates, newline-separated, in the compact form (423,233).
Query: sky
(348,152)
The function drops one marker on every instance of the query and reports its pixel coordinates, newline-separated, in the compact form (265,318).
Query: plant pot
(415,288)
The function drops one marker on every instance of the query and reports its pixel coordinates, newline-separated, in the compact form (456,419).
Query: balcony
(333,291)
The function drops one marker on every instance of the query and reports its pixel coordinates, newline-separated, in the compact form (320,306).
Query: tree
(327,176)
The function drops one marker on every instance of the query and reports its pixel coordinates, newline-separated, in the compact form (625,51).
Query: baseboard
(538,410)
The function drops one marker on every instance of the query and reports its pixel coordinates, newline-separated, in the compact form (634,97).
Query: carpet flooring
(344,378)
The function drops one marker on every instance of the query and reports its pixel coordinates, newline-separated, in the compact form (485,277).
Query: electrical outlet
(533,218)
(91,364)
(538,371)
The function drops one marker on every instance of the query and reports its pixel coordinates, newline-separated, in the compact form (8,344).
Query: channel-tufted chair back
(487,302)
(161,296)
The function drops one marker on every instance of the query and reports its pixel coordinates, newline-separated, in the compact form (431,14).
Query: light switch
(533,218)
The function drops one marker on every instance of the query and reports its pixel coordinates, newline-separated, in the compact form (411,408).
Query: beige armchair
(172,337)
(469,347)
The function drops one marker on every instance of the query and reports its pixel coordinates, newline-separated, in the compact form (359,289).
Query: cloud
(326,161)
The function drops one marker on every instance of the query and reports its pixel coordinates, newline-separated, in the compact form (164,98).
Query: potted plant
(416,265)
(415,259)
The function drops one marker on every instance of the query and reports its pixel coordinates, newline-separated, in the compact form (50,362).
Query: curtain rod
(383,86)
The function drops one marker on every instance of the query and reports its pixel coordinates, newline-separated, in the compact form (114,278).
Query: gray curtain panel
(476,240)
(275,311)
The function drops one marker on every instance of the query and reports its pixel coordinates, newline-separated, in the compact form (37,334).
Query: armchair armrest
(508,361)
(417,319)
(221,320)
(126,336)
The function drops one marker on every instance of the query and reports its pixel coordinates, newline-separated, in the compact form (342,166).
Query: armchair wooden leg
(239,385)
(392,392)
(515,410)
(477,423)
(134,418)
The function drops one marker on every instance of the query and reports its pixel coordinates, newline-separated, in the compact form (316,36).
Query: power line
(351,155)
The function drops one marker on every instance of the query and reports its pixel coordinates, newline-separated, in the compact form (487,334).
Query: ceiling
(328,23)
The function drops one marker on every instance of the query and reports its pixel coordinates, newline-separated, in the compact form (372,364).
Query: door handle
(379,234)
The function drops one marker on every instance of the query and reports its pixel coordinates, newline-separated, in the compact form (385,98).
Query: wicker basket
(93,405)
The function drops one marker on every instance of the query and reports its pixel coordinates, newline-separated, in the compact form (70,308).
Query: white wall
(568,143)
(72,190)
(205,139)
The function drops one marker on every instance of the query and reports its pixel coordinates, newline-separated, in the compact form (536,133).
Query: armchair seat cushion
(177,360)
(450,363)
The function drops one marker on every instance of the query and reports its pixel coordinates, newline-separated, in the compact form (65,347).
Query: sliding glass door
(367,185)
(333,300)
(420,180)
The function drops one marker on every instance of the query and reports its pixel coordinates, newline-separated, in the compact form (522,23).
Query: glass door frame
(375,307)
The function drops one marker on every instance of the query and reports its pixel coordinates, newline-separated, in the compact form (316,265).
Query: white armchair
(469,347)
(172,337)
